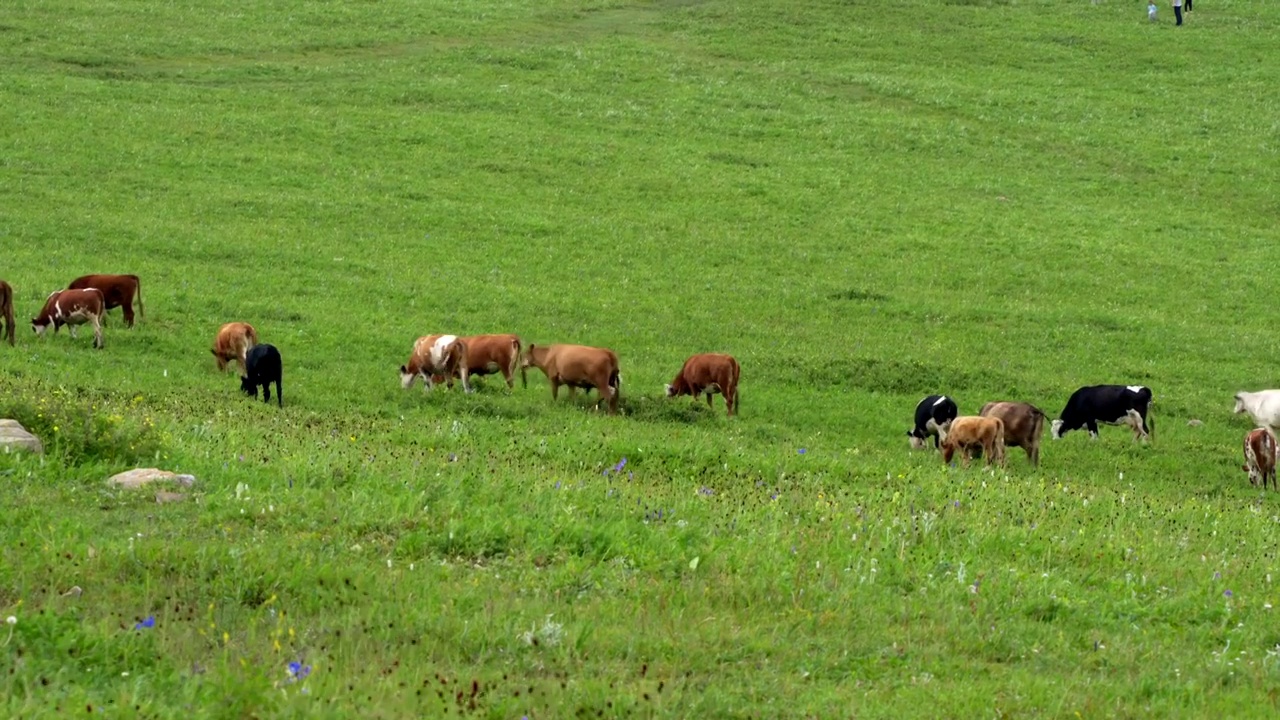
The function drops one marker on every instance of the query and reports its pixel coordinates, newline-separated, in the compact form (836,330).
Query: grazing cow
(262,367)
(6,310)
(1108,404)
(232,343)
(437,355)
(933,416)
(577,366)
(970,433)
(488,354)
(117,290)
(1260,457)
(1263,406)
(1023,426)
(710,373)
(72,308)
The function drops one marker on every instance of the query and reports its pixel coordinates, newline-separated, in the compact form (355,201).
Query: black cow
(262,367)
(933,417)
(1109,404)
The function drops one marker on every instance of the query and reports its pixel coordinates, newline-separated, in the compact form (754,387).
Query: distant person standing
(1177,10)
(1188,5)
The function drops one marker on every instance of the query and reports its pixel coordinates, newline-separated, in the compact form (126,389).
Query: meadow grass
(865,203)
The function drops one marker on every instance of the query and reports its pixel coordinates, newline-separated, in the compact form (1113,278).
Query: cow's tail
(6,310)
(142,310)
(515,361)
(1038,430)
(737,375)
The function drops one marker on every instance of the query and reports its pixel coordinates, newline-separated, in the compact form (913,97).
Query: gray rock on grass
(141,477)
(15,437)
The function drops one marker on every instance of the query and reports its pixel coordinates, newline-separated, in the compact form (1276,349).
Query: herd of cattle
(442,358)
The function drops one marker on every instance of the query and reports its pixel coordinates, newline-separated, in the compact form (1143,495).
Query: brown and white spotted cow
(1260,457)
(117,291)
(708,373)
(6,310)
(233,342)
(969,433)
(1023,426)
(72,308)
(577,366)
(488,354)
(437,355)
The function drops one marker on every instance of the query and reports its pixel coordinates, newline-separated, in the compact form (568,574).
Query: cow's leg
(127,308)
(427,384)
(279,394)
(266,392)
(74,330)
(97,332)
(465,373)
(555,389)
(1093,428)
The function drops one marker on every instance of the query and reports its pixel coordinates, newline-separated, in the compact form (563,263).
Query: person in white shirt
(1177,10)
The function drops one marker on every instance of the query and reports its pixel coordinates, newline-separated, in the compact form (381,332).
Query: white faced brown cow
(1023,426)
(436,355)
(708,373)
(488,354)
(233,342)
(72,308)
(577,366)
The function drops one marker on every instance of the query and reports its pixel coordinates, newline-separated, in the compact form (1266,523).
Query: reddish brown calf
(710,373)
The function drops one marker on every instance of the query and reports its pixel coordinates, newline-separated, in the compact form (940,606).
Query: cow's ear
(404,369)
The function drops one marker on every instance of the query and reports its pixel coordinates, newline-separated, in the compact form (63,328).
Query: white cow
(1263,406)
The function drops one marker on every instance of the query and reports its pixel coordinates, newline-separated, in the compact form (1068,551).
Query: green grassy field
(865,203)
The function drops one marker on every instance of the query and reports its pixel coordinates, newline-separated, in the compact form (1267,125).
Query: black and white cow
(933,418)
(1108,404)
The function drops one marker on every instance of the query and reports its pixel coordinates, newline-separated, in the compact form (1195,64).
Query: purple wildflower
(150,622)
(707,491)
(1226,593)
(298,671)
(557,484)
(1217,575)
(621,464)
(956,503)
(802,451)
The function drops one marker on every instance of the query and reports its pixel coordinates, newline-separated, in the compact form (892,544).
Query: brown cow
(1023,426)
(1260,457)
(6,310)
(117,290)
(710,373)
(577,366)
(72,308)
(487,354)
(968,433)
(436,355)
(232,343)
